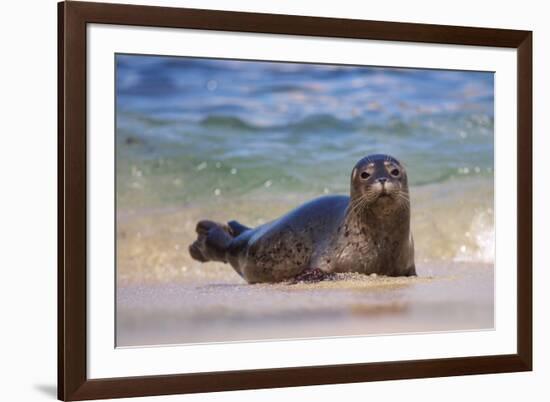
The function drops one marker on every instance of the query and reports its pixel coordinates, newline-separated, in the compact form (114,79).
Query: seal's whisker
(403,201)
(403,196)
(359,204)
(353,205)
(363,201)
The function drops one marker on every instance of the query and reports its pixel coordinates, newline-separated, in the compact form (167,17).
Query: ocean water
(246,140)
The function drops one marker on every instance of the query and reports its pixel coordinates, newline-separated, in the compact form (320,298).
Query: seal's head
(379,182)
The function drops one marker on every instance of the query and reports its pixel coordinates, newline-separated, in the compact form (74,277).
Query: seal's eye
(365,175)
(395,172)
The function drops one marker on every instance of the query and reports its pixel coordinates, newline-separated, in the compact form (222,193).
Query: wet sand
(451,297)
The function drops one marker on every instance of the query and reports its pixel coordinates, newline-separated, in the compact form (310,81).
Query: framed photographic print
(253,200)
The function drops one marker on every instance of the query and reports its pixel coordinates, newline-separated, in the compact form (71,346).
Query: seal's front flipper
(237,228)
(311,275)
(212,242)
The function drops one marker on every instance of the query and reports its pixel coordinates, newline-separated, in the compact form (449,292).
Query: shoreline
(152,243)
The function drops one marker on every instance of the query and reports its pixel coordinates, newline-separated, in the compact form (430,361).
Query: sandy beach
(165,297)
(452,297)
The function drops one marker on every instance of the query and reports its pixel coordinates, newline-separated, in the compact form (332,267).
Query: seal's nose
(382,180)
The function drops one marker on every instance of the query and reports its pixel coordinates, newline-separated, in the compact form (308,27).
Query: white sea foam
(481,236)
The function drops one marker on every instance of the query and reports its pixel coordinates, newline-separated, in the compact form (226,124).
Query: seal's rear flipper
(212,242)
(237,228)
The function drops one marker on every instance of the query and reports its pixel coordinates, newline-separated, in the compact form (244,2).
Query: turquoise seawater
(190,129)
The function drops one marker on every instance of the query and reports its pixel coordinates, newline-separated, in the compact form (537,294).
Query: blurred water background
(198,125)
(224,139)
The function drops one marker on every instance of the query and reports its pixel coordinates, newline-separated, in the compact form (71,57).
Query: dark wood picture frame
(73,383)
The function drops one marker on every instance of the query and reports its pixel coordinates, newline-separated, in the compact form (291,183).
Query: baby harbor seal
(367,232)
